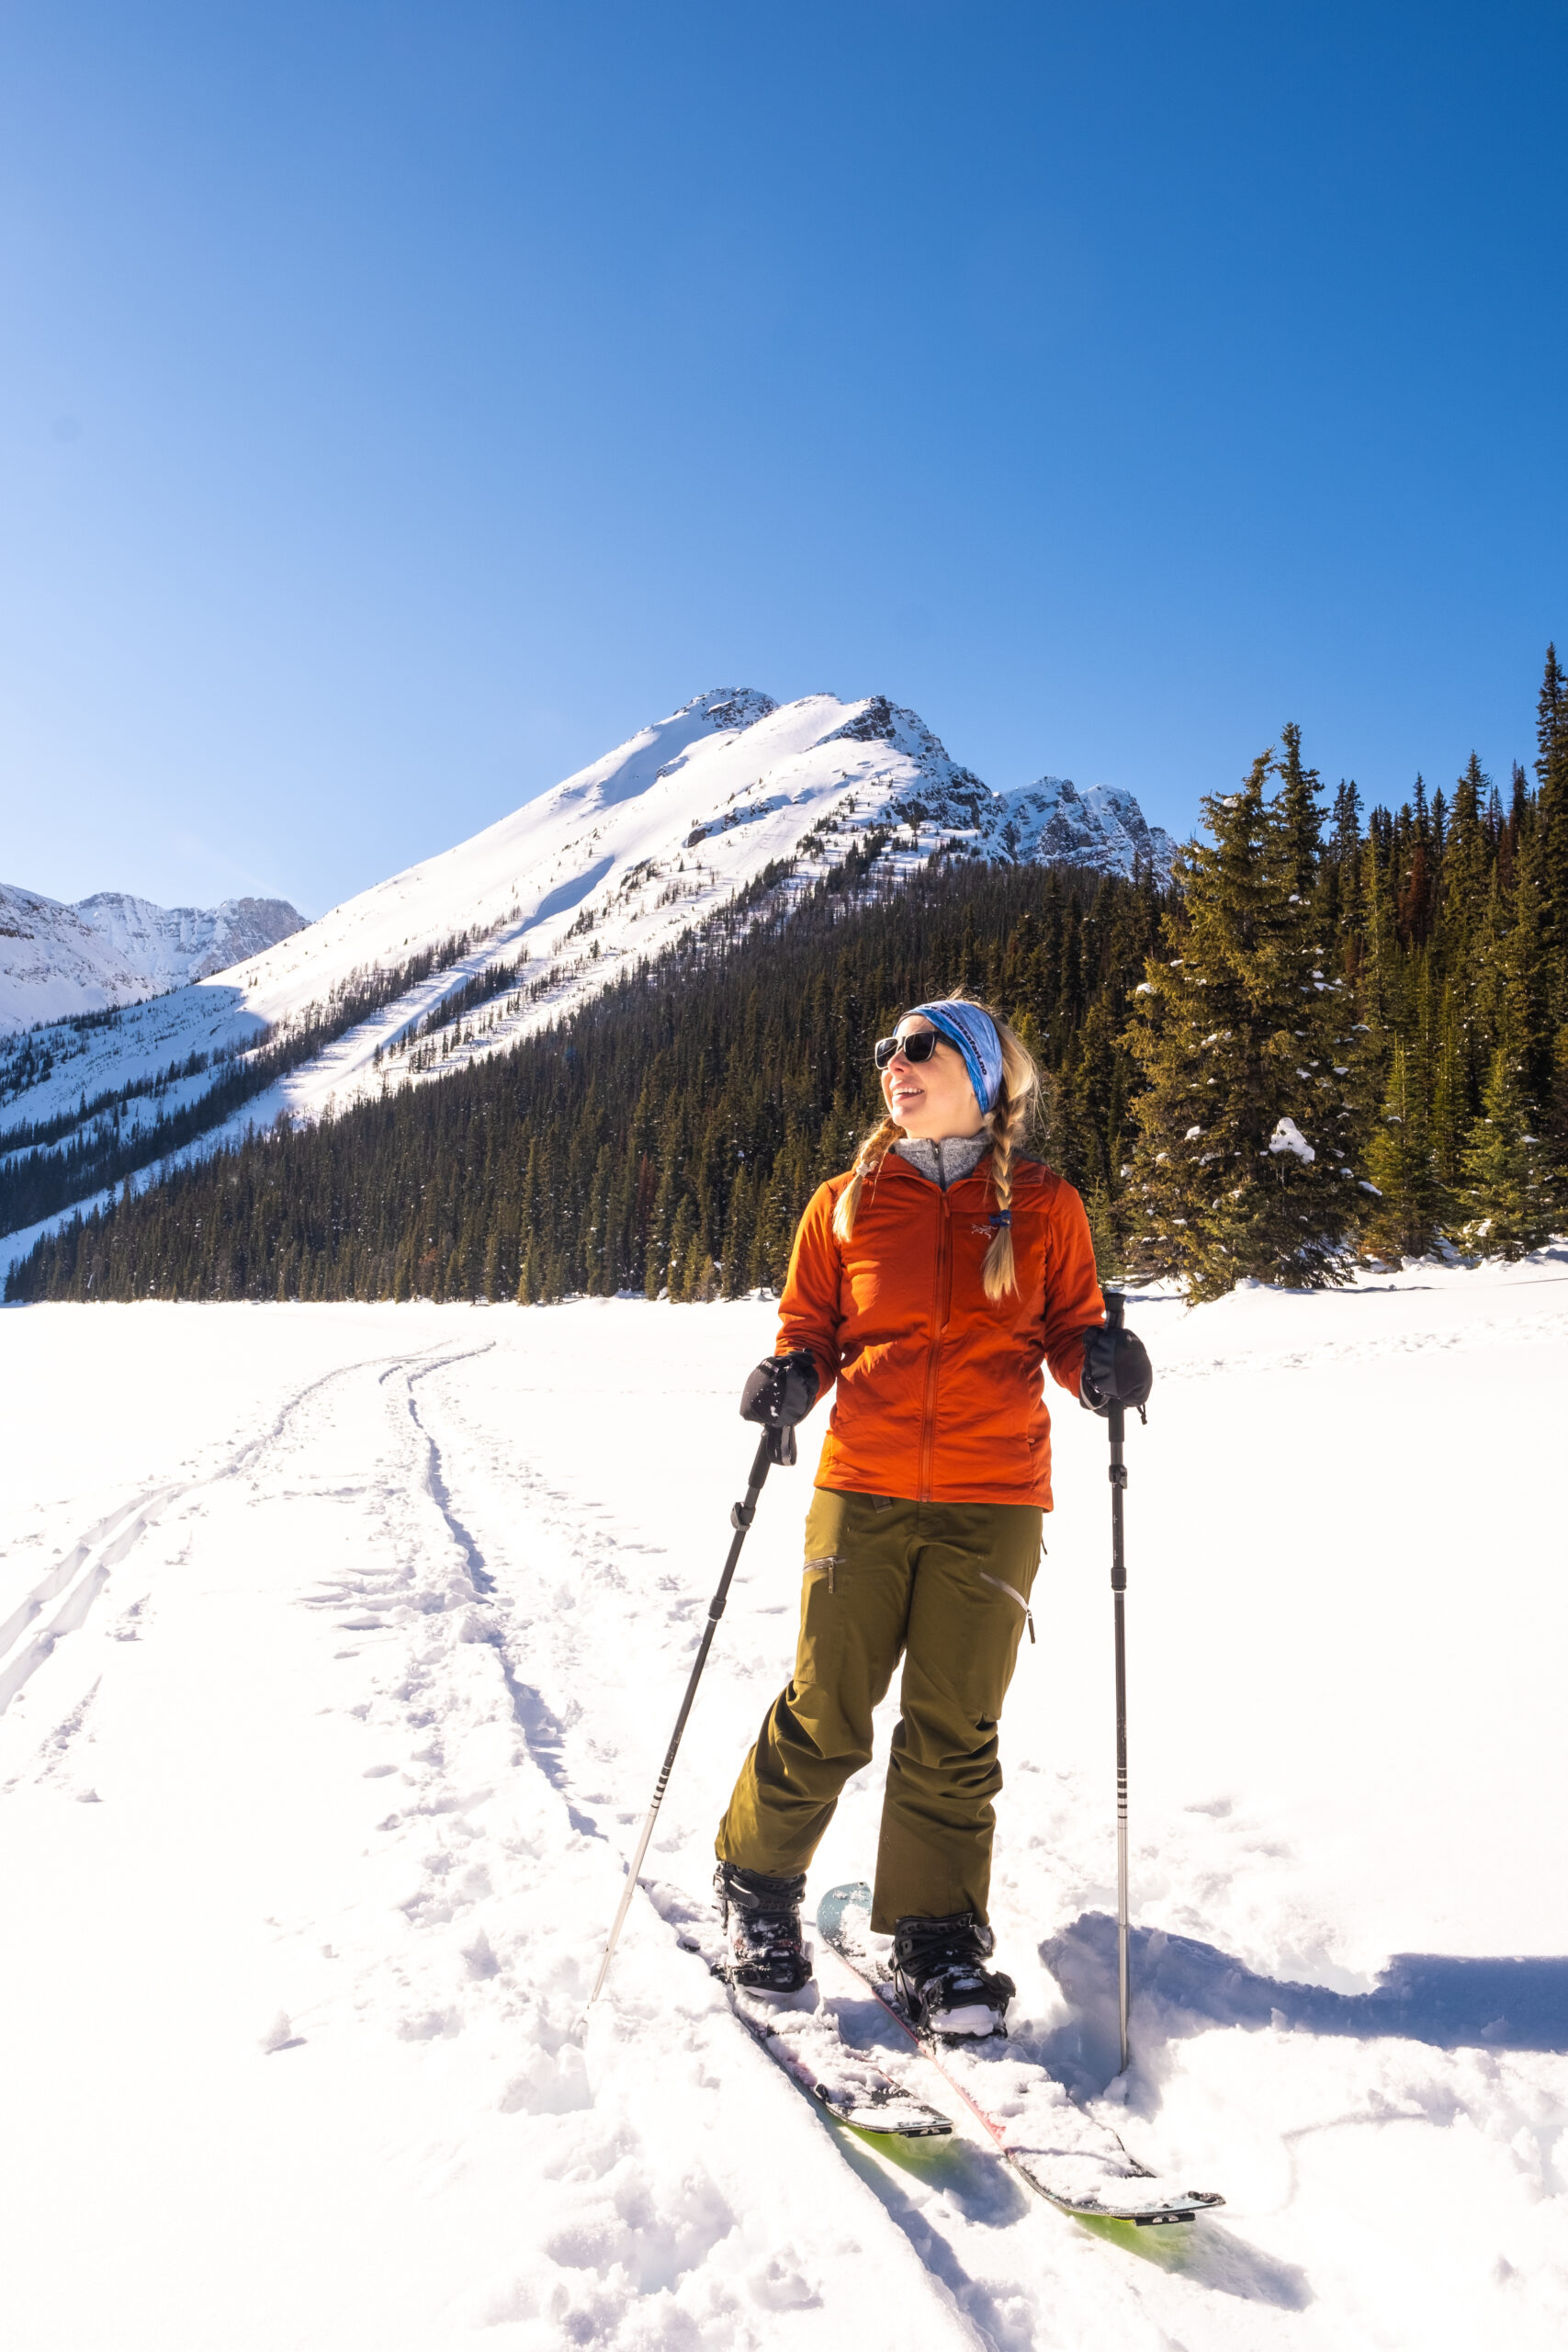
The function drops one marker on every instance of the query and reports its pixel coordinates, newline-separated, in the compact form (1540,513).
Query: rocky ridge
(113,949)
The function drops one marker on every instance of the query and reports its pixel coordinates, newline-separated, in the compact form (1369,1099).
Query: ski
(1063,2154)
(798,2033)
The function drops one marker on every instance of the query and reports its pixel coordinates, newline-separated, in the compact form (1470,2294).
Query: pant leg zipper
(1002,1587)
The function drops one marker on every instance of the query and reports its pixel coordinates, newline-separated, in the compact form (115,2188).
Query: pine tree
(682,1239)
(1108,1252)
(1403,1219)
(1450,1099)
(1505,1183)
(1301,818)
(1246,1124)
(1551,774)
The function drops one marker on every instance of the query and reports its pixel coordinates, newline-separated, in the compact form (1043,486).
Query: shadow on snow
(1451,2004)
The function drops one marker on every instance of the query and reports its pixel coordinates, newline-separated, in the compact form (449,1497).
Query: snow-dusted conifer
(1253,1069)
(1507,1190)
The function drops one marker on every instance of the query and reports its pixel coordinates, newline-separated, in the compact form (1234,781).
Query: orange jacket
(941,1397)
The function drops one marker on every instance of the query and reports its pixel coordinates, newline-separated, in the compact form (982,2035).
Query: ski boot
(939,1975)
(760,1918)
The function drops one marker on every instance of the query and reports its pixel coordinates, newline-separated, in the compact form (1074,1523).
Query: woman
(931,1282)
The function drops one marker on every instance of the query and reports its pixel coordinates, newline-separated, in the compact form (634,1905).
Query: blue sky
(399,404)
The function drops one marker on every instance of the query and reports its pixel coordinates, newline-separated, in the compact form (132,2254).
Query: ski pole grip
(1116,1418)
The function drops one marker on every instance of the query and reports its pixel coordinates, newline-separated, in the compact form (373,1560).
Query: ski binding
(1065,2156)
(803,2040)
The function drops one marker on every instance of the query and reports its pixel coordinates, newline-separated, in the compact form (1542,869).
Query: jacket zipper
(933,1356)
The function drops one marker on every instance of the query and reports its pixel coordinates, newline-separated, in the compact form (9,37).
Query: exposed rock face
(737,706)
(1052,821)
(112,949)
(1103,828)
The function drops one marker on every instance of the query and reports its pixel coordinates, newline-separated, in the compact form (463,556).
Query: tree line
(663,1138)
(1331,1039)
(1355,1040)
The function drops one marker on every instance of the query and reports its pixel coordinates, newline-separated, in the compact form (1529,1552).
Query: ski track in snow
(601,2226)
(324,1748)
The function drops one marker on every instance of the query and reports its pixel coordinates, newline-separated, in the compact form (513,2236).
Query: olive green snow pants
(944,1586)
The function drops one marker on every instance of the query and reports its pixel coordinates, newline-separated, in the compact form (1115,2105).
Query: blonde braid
(875,1149)
(1005,1125)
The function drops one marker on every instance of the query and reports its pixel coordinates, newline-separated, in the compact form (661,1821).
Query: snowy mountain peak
(1053,822)
(113,949)
(634,767)
(721,812)
(733,706)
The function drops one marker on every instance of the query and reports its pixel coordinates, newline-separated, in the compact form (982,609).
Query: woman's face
(930,1099)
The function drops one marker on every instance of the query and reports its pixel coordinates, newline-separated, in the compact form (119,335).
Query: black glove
(781,1391)
(1116,1368)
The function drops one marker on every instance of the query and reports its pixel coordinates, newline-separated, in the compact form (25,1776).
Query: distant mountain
(1053,823)
(695,825)
(112,949)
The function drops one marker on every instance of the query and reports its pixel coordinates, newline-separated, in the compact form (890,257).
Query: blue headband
(975,1034)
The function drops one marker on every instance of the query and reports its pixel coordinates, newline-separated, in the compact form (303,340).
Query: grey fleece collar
(946,1161)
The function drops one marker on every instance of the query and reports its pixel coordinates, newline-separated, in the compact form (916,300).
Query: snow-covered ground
(341,1646)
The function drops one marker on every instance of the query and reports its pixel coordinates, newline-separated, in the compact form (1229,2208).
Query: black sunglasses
(919,1047)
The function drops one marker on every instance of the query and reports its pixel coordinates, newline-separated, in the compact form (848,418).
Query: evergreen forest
(1332,1039)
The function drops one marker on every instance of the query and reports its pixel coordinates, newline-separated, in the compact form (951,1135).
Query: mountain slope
(667,1135)
(710,813)
(112,949)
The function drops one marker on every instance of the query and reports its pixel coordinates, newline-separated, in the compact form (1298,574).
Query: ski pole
(776,1445)
(1116,1423)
